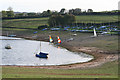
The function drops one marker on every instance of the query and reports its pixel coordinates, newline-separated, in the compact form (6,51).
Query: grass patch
(12,29)
(96,18)
(25,23)
(105,71)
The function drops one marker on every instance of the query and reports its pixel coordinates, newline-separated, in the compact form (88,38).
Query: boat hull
(7,47)
(41,55)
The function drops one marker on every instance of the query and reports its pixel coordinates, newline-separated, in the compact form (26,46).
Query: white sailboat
(95,34)
(8,45)
(42,54)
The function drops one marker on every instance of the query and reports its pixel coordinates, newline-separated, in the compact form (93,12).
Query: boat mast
(40,46)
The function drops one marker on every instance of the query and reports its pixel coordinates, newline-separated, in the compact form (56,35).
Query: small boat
(11,35)
(7,46)
(95,34)
(59,41)
(42,54)
(50,39)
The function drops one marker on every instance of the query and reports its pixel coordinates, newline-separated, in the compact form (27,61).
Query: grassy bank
(105,71)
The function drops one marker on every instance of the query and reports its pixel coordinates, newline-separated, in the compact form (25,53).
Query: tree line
(61,20)
(10,14)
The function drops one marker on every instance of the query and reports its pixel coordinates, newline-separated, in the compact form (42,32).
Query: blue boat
(11,35)
(41,54)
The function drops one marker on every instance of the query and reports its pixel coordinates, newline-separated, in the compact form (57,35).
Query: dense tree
(46,13)
(54,12)
(31,14)
(20,15)
(71,11)
(62,11)
(10,13)
(89,10)
(61,20)
(77,11)
(4,14)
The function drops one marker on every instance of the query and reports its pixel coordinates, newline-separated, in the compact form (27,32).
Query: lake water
(23,53)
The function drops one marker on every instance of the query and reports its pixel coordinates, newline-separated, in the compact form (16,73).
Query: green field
(25,23)
(35,22)
(96,18)
(105,71)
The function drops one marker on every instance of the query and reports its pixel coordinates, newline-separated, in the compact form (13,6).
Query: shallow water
(23,53)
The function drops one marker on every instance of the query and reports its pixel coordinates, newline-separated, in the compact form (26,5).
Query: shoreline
(100,57)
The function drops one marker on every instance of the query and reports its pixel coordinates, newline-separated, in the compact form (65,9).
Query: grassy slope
(35,22)
(96,18)
(105,71)
(25,23)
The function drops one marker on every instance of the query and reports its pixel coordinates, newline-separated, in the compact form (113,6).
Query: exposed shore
(81,43)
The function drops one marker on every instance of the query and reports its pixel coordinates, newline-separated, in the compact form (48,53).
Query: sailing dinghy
(42,54)
(95,34)
(59,41)
(50,39)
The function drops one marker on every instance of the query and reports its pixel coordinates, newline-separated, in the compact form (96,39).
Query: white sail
(95,34)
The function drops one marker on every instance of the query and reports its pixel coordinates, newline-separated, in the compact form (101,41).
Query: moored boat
(42,54)
(7,46)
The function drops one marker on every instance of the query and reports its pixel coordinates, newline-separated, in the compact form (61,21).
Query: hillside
(35,22)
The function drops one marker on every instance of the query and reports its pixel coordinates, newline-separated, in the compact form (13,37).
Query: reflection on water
(23,53)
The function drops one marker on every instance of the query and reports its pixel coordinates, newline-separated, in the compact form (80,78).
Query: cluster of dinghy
(45,55)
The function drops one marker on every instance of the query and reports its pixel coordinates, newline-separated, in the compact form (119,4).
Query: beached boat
(11,35)
(95,34)
(42,54)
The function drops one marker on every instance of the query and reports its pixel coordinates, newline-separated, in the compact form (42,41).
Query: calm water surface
(23,53)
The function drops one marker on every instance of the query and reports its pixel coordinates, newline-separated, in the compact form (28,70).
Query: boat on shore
(95,34)
(11,35)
